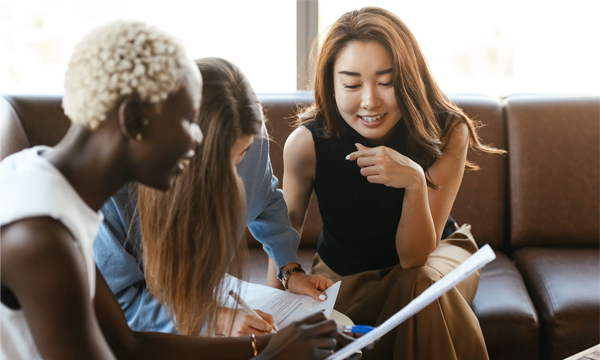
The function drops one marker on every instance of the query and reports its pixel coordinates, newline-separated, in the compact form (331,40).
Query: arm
(272,226)
(121,265)
(300,165)
(300,162)
(47,274)
(424,210)
(267,219)
(40,261)
(310,338)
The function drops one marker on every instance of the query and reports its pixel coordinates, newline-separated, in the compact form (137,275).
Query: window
(472,46)
(38,37)
(499,47)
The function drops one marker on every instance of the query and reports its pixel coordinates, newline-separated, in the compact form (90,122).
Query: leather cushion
(507,316)
(564,285)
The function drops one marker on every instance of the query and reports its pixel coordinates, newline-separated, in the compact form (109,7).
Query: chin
(159,184)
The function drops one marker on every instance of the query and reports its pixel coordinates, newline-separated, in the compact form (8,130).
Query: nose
(370,98)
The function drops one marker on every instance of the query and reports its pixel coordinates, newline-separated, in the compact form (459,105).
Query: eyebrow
(350,73)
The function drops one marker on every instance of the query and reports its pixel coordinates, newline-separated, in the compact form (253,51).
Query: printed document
(284,306)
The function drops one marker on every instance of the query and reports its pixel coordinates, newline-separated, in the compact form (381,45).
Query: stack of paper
(284,306)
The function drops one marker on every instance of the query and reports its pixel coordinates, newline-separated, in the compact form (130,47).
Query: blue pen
(355,329)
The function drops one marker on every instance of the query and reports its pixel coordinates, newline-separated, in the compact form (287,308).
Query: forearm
(416,236)
(272,273)
(150,345)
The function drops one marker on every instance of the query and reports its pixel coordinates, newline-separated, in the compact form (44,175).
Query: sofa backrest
(29,120)
(483,196)
(554,170)
(553,144)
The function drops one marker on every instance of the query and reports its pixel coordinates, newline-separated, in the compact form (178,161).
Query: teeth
(183,163)
(371,119)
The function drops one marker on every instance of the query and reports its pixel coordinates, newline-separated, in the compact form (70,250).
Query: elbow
(297,222)
(412,262)
(415,259)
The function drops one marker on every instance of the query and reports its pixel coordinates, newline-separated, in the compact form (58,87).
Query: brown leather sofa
(537,207)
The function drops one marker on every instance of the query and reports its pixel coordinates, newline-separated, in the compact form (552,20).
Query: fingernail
(348,157)
(322,297)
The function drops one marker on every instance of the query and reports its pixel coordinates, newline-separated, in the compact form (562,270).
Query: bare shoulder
(457,138)
(300,138)
(38,249)
(299,151)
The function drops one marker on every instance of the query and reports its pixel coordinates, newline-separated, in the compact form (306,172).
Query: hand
(313,337)
(343,340)
(243,323)
(382,165)
(311,285)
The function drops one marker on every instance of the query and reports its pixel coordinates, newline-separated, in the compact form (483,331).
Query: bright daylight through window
(491,47)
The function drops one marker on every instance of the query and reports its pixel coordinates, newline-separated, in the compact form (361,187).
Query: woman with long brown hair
(180,244)
(385,150)
(192,234)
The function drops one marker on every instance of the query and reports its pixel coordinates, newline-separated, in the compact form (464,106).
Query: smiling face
(364,90)
(173,134)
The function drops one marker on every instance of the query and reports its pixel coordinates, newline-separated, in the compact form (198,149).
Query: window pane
(37,36)
(501,47)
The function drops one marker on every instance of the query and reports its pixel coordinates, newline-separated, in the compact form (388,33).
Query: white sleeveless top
(30,186)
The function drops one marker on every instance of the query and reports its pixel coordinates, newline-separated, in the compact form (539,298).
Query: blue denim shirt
(119,256)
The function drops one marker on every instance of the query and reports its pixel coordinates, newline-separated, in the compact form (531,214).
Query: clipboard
(475,262)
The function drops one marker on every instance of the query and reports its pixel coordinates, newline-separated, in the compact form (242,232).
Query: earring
(139,137)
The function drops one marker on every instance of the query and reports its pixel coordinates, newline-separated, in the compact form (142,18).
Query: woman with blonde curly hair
(385,150)
(133,98)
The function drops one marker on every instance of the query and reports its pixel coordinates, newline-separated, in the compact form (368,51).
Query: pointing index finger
(360,153)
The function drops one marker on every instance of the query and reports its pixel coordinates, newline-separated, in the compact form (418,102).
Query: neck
(90,163)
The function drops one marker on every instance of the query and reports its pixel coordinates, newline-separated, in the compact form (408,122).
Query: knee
(420,278)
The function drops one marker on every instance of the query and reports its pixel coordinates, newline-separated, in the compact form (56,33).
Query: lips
(371,119)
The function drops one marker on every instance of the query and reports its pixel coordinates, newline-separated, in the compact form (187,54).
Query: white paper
(284,306)
(472,264)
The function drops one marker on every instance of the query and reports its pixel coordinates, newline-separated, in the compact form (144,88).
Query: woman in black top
(385,151)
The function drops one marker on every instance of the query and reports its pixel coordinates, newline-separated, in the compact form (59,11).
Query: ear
(130,119)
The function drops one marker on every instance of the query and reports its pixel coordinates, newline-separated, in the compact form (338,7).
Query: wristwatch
(289,273)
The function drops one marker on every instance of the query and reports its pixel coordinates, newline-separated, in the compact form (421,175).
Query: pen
(355,329)
(247,307)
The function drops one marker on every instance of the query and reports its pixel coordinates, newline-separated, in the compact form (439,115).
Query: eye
(351,86)
(386,84)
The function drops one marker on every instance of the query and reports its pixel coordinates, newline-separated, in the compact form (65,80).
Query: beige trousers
(447,329)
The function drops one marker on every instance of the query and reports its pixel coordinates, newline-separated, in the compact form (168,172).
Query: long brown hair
(418,96)
(192,234)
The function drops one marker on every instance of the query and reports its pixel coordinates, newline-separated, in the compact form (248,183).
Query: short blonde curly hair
(118,59)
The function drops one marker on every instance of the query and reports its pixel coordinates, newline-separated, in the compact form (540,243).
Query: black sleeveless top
(360,219)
